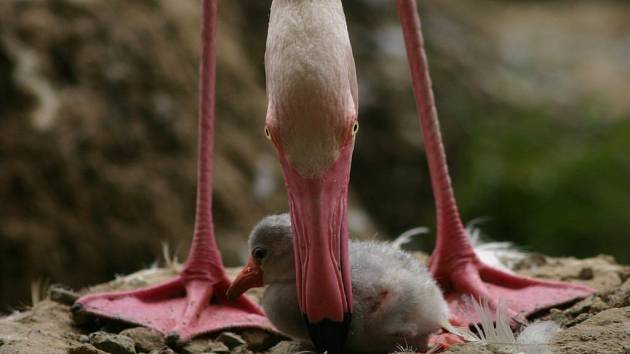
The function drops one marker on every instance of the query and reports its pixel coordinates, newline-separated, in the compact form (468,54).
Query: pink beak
(250,277)
(318,208)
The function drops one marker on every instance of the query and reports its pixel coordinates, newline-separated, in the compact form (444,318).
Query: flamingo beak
(318,208)
(250,277)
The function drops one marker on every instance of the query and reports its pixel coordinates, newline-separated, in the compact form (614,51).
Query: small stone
(624,274)
(231,340)
(85,349)
(146,339)
(289,347)
(204,345)
(241,349)
(84,339)
(581,318)
(598,305)
(58,293)
(607,258)
(586,273)
(164,350)
(259,340)
(557,316)
(112,343)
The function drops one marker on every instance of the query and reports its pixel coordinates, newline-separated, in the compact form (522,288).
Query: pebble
(582,317)
(164,350)
(231,340)
(112,343)
(85,349)
(146,339)
(586,273)
(289,347)
(204,345)
(259,340)
(241,349)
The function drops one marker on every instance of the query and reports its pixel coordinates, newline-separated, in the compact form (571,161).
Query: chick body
(395,300)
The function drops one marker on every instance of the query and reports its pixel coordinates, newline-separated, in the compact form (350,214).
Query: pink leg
(194,302)
(443,341)
(454,263)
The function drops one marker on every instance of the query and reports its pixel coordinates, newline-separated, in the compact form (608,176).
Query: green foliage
(558,186)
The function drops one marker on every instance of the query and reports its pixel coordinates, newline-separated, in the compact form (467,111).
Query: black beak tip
(329,336)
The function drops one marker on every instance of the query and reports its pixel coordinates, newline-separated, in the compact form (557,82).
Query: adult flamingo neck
(204,260)
(449,225)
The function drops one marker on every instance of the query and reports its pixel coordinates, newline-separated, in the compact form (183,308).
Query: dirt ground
(597,324)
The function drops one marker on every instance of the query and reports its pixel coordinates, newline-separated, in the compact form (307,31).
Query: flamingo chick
(396,302)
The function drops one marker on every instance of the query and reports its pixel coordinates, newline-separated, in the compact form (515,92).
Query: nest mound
(596,324)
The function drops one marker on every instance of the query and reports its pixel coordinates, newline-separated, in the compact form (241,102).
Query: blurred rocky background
(98,115)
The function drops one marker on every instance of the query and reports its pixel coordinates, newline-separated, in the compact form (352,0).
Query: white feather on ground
(503,255)
(534,338)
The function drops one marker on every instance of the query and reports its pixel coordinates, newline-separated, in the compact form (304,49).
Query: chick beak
(250,277)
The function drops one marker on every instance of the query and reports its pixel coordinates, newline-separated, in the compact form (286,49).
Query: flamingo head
(312,123)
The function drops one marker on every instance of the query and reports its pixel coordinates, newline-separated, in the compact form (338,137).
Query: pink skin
(443,340)
(194,302)
(454,263)
(318,208)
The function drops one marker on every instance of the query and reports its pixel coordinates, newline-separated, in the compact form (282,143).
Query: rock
(259,340)
(58,293)
(146,339)
(606,332)
(231,340)
(619,297)
(598,305)
(586,273)
(241,349)
(85,349)
(290,347)
(164,350)
(112,343)
(204,345)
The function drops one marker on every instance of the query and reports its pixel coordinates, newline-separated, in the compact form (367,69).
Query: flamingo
(453,263)
(312,122)
(193,302)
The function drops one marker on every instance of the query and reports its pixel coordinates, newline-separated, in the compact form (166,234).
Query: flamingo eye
(267,133)
(355,128)
(259,253)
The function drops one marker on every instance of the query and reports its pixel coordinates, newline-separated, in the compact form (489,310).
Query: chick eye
(267,133)
(355,128)
(259,253)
